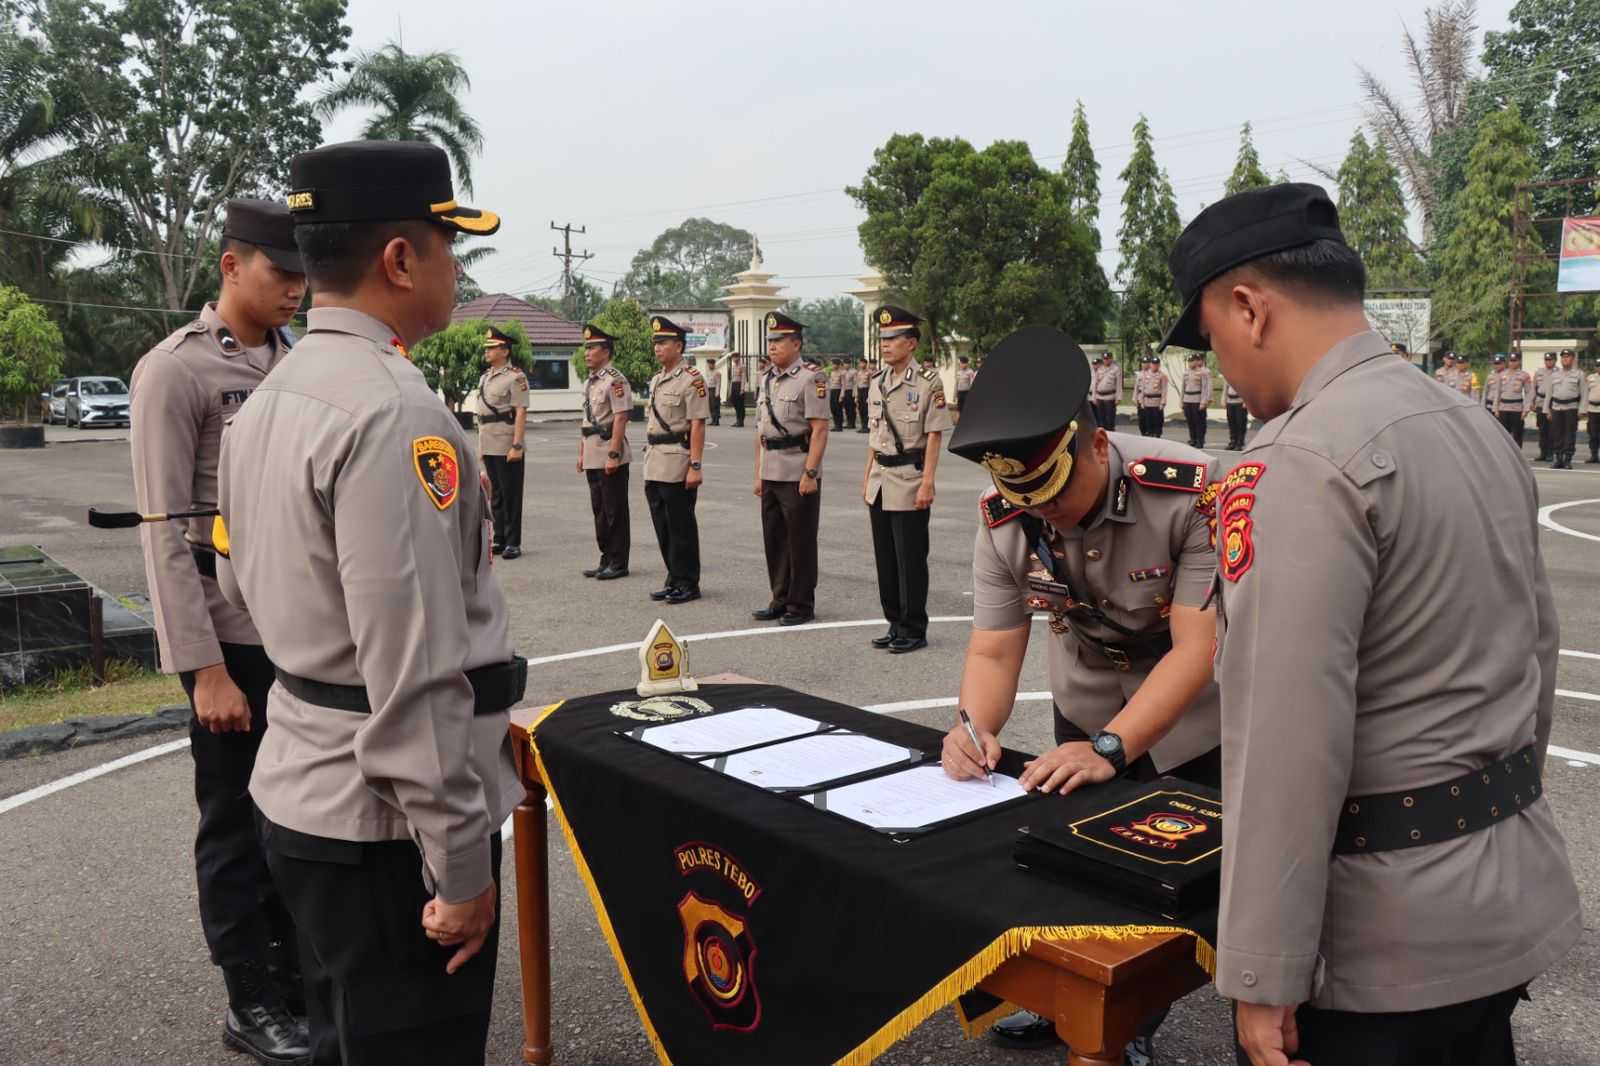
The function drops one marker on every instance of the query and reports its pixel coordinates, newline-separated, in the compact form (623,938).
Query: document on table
(811,761)
(916,799)
(718,734)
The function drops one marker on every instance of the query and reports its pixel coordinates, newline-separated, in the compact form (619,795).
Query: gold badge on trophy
(664,663)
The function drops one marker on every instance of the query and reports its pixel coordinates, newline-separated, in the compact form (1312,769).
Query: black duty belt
(596,431)
(1564,405)
(912,457)
(792,440)
(494,688)
(1394,820)
(205,562)
(1131,652)
(498,416)
(667,438)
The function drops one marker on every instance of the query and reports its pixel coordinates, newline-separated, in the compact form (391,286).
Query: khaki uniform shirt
(501,388)
(1515,392)
(1197,387)
(793,396)
(964,378)
(1541,385)
(1108,383)
(678,398)
(1135,561)
(605,395)
(360,539)
(182,392)
(1591,394)
(1445,375)
(1349,559)
(1150,389)
(1564,391)
(736,370)
(836,378)
(1230,395)
(1491,389)
(913,402)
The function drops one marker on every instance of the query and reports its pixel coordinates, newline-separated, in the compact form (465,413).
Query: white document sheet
(812,760)
(916,798)
(714,734)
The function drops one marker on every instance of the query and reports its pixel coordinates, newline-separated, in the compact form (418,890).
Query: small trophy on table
(664,663)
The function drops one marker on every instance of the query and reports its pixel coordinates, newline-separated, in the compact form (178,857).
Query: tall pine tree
(1247,172)
(1083,175)
(1477,261)
(1149,229)
(1372,212)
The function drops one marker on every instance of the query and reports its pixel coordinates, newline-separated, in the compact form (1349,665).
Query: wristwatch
(1109,747)
(516,447)
(813,474)
(613,455)
(694,464)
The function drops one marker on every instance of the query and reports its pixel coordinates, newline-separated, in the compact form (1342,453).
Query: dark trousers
(1151,421)
(1594,435)
(1475,1033)
(1195,415)
(1105,414)
(836,406)
(608,499)
(847,399)
(677,532)
(1564,431)
(505,498)
(376,990)
(961,398)
(789,534)
(1542,420)
(716,408)
(1515,425)
(736,396)
(240,911)
(900,547)
(1238,422)
(861,407)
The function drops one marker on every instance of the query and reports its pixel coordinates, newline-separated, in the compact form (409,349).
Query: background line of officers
(1557,396)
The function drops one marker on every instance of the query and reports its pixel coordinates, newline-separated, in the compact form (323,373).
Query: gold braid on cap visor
(1032,488)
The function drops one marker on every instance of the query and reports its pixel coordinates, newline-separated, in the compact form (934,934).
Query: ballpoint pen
(973,733)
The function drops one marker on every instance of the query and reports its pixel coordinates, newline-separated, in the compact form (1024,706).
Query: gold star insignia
(1170,473)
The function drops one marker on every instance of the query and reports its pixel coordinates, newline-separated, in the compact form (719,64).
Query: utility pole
(568,295)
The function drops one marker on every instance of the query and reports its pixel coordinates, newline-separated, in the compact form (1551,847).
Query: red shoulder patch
(1243,476)
(438,468)
(997,510)
(1238,552)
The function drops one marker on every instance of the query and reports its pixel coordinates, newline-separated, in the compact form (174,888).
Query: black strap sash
(1136,647)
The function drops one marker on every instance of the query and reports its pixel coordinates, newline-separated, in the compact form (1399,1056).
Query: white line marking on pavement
(1550,523)
(1579,758)
(1580,654)
(1588,697)
(11,803)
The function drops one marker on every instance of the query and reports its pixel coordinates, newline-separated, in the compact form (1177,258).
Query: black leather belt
(1126,654)
(499,416)
(205,562)
(1394,820)
(593,431)
(667,438)
(494,688)
(1564,405)
(793,440)
(910,457)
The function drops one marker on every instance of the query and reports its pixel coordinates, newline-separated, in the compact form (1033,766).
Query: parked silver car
(89,401)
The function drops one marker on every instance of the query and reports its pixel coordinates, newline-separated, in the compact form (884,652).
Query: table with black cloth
(751,927)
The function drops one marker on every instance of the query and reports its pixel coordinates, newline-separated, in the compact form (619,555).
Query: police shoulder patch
(997,510)
(1176,474)
(438,468)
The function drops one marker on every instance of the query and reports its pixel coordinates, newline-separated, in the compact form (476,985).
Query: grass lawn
(128,690)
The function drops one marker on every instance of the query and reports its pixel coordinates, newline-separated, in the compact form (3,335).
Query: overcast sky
(629,117)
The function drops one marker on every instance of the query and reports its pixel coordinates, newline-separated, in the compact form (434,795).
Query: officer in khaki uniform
(676,438)
(907,420)
(1392,875)
(1491,387)
(836,383)
(1513,400)
(503,395)
(1112,543)
(863,378)
(1563,401)
(183,391)
(1446,373)
(1238,418)
(603,453)
(1107,391)
(792,437)
(1541,390)
(1150,397)
(1590,406)
(386,770)
(1196,398)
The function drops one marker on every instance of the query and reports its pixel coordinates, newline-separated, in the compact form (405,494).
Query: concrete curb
(81,732)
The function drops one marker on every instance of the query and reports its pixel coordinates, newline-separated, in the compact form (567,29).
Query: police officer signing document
(358,538)
(1392,874)
(184,389)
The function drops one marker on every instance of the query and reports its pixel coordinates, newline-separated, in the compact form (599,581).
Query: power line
(568,299)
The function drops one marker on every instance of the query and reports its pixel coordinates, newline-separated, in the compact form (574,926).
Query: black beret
(268,226)
(664,329)
(380,181)
(780,325)
(1237,229)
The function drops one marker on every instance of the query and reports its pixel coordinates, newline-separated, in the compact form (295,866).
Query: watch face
(1106,744)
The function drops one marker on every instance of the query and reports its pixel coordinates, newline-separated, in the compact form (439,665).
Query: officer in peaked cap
(676,438)
(351,497)
(503,396)
(1109,536)
(1382,778)
(603,452)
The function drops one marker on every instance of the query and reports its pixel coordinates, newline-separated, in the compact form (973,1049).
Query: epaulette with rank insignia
(929,373)
(1157,473)
(997,510)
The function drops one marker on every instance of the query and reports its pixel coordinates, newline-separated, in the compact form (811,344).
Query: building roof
(545,329)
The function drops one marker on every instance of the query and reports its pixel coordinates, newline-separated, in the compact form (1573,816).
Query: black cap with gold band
(593,336)
(380,181)
(664,329)
(493,338)
(897,321)
(780,325)
(1020,419)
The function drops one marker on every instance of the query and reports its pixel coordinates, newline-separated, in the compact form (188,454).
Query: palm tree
(415,97)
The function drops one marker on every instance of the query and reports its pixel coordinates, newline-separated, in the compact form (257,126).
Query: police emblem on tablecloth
(1163,828)
(1237,551)
(437,467)
(661,708)
(719,953)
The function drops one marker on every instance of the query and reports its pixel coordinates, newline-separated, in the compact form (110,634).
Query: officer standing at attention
(183,391)
(792,436)
(603,453)
(1196,398)
(1238,418)
(1513,399)
(964,378)
(676,435)
(1591,407)
(863,379)
(836,383)
(847,395)
(1107,391)
(1541,390)
(1114,545)
(736,373)
(1491,387)
(1392,876)
(503,391)
(908,420)
(386,770)
(1562,403)
(1446,373)
(1150,397)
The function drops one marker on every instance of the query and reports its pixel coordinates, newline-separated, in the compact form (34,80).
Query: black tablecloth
(751,927)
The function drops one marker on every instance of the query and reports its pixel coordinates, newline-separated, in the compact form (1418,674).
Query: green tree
(1372,212)
(624,318)
(582,305)
(30,352)
(1150,227)
(1082,172)
(1247,173)
(452,360)
(413,97)
(1478,260)
(833,325)
(687,265)
(1548,64)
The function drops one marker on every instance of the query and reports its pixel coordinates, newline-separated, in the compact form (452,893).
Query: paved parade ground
(101,955)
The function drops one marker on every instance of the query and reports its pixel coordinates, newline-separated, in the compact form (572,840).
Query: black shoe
(796,619)
(594,570)
(1024,1031)
(496,549)
(766,614)
(863,429)
(1542,457)
(511,552)
(683,595)
(611,573)
(885,640)
(267,1034)
(1593,458)
(663,592)
(1141,1051)
(902,645)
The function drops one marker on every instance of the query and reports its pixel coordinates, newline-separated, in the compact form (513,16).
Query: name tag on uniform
(1041,581)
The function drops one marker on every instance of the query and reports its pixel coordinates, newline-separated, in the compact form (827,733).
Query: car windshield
(104,387)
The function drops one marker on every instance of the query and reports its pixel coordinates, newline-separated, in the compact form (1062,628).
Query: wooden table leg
(529,828)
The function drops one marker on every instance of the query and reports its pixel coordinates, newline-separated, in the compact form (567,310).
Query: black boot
(1594,456)
(283,967)
(257,1022)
